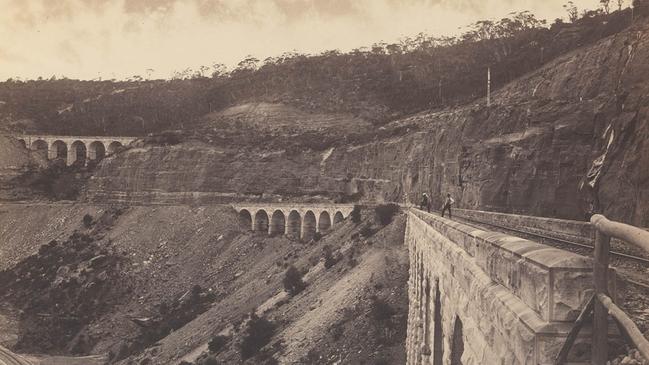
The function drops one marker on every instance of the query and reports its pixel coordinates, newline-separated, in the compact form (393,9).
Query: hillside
(379,83)
(131,289)
(532,151)
(140,259)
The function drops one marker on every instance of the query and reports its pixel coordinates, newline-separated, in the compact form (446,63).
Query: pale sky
(87,39)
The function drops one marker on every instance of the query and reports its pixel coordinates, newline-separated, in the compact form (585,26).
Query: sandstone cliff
(530,152)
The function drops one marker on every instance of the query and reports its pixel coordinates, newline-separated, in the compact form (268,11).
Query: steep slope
(159,282)
(531,151)
(330,321)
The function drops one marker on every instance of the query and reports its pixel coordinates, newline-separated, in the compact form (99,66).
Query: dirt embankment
(159,283)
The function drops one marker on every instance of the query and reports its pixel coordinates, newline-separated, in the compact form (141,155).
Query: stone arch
(261,221)
(309,225)
(113,147)
(293,224)
(245,219)
(277,223)
(59,149)
(324,222)
(40,146)
(438,332)
(338,217)
(96,151)
(457,344)
(77,153)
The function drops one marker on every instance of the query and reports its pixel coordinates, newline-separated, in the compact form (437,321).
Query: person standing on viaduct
(425,203)
(447,205)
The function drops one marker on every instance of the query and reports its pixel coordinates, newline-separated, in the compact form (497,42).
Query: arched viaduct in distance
(74,148)
(293,220)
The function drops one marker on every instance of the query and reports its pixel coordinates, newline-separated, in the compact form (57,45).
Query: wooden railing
(601,305)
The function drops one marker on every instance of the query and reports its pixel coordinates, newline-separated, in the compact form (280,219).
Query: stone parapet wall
(514,299)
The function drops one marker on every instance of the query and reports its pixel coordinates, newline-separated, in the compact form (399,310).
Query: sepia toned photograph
(336,182)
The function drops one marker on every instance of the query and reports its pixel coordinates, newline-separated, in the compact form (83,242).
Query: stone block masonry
(479,297)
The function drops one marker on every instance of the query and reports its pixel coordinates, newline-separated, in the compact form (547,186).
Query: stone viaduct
(73,148)
(294,220)
(480,297)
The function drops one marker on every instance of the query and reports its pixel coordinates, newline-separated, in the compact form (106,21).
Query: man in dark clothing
(425,203)
(447,205)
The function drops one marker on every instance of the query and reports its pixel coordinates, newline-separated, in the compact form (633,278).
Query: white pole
(489,86)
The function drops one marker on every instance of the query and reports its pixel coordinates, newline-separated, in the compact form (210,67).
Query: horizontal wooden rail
(631,329)
(604,230)
(630,234)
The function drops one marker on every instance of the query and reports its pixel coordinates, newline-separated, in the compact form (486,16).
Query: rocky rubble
(633,358)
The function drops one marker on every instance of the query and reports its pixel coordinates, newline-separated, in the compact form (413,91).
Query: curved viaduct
(293,220)
(483,297)
(74,148)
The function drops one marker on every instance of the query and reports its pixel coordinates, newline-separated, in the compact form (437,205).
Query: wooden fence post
(600,317)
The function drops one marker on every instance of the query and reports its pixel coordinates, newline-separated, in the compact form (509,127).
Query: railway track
(621,256)
(639,259)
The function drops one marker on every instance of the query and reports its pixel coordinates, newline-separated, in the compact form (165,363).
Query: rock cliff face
(553,143)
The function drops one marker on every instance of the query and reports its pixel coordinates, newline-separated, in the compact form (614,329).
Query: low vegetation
(293,283)
(330,257)
(257,334)
(217,343)
(56,181)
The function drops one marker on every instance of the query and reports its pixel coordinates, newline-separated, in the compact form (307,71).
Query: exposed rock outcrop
(582,115)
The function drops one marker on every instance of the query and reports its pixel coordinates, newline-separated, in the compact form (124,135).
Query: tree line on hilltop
(380,82)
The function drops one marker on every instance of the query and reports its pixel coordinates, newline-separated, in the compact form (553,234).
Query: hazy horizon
(89,39)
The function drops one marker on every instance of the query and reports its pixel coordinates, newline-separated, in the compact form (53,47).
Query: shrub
(352,262)
(356,214)
(257,334)
(292,281)
(367,231)
(329,258)
(313,357)
(386,212)
(380,309)
(317,236)
(217,343)
(87,220)
(337,330)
